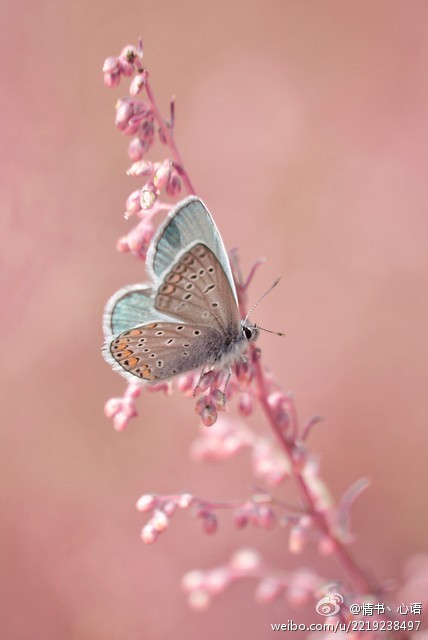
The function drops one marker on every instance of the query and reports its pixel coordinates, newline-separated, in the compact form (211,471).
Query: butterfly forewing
(197,291)
(161,350)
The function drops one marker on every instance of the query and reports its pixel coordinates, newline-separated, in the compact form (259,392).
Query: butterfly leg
(225,386)
(196,389)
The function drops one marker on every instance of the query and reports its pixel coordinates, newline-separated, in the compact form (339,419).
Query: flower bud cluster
(215,388)
(211,397)
(229,436)
(124,408)
(162,508)
(124,64)
(297,587)
(202,586)
(160,176)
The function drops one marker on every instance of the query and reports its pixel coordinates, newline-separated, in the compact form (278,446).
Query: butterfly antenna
(277,333)
(261,298)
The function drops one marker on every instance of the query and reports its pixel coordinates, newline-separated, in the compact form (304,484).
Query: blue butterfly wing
(187,224)
(130,307)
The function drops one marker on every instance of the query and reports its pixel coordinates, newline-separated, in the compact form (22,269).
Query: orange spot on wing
(132,362)
(168,288)
(135,332)
(174,278)
(147,374)
(120,345)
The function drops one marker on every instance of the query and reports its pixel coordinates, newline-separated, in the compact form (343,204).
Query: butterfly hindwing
(160,350)
(130,307)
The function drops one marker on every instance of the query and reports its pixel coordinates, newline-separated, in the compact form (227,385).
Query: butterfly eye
(248,333)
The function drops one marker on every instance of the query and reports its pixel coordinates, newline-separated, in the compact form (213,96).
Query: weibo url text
(351,625)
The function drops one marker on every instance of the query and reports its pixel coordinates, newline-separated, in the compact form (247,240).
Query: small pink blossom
(141,168)
(148,196)
(149,534)
(173,187)
(140,237)
(138,83)
(267,590)
(147,502)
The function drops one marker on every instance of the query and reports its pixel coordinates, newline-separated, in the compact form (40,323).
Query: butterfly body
(189,318)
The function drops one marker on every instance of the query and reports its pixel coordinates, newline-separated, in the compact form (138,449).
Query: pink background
(304,128)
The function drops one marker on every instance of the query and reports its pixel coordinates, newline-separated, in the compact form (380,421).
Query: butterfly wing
(130,307)
(160,350)
(189,318)
(197,290)
(188,223)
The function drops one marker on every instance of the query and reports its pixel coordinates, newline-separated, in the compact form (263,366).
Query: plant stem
(169,137)
(359,580)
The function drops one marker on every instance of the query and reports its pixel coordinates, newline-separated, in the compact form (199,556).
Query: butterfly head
(249,330)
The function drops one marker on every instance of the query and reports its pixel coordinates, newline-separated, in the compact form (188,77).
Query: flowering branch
(252,384)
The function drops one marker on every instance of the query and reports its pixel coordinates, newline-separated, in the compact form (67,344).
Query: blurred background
(303,126)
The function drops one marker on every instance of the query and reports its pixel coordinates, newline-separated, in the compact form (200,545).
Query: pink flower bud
(132,204)
(136,149)
(205,381)
(120,421)
(146,502)
(111,65)
(140,168)
(138,83)
(267,590)
(193,580)
(326,546)
(199,600)
(128,407)
(149,534)
(140,236)
(111,80)
(128,53)
(185,500)
(160,521)
(240,518)
(186,382)
(126,68)
(245,560)
(245,404)
(265,516)
(173,187)
(217,396)
(297,540)
(124,112)
(147,197)
(217,580)
(161,177)
(242,371)
(127,58)
(206,409)
(169,507)
(209,523)
(122,244)
(112,407)
(147,130)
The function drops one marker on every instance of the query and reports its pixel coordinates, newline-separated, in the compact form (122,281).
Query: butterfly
(187,317)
